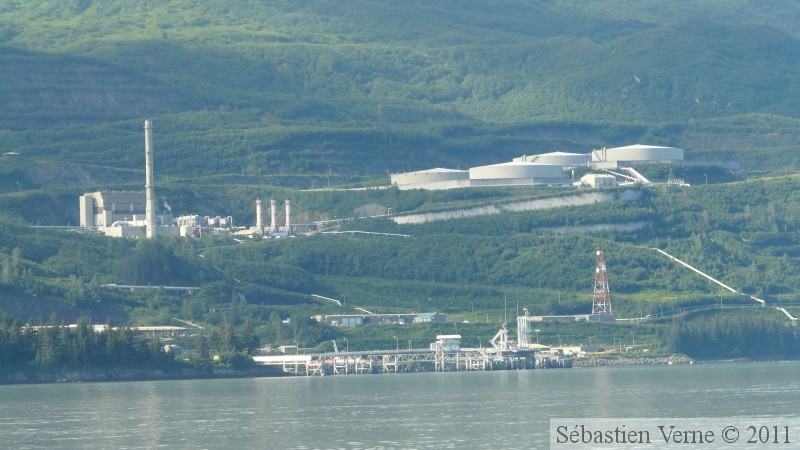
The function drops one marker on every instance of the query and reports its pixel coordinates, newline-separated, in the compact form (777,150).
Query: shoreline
(85,375)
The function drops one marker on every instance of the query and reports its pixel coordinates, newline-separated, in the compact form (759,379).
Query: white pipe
(124,223)
(791,317)
(332,300)
(713,280)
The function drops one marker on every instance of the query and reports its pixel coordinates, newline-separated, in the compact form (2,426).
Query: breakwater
(633,361)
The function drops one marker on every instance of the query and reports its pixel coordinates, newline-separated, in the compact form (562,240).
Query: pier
(445,355)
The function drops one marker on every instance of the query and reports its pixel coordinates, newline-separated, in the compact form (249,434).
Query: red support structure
(601,299)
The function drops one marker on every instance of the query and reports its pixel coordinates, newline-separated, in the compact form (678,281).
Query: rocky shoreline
(114,374)
(635,361)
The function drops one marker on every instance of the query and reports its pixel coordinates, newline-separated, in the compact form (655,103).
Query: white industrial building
(121,214)
(598,180)
(103,208)
(606,158)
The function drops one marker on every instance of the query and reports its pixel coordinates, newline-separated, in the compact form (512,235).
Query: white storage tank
(517,170)
(429,178)
(613,157)
(557,158)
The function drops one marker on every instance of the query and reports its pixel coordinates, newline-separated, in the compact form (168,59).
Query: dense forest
(54,345)
(285,99)
(751,335)
(289,88)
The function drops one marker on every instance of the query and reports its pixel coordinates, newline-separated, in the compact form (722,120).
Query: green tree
(247,338)
(201,348)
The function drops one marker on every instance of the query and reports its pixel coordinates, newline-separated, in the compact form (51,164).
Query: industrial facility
(133,214)
(121,214)
(274,230)
(128,214)
(547,169)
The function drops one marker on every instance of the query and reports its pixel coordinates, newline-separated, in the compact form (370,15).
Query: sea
(466,410)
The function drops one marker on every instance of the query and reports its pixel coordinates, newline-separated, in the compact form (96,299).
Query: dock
(445,355)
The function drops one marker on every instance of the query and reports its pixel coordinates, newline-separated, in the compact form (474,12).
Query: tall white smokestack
(273,210)
(149,197)
(259,221)
(288,215)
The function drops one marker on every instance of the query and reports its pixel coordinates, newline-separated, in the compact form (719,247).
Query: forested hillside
(289,87)
(273,98)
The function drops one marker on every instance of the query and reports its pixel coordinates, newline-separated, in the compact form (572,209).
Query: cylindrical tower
(259,220)
(148,182)
(288,216)
(273,211)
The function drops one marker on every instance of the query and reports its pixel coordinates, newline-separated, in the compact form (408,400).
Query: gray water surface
(502,409)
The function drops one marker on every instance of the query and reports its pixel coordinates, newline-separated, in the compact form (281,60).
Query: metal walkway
(414,360)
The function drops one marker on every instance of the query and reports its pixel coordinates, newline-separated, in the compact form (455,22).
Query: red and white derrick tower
(601,299)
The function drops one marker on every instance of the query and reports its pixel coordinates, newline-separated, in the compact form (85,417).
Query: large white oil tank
(638,152)
(557,158)
(423,177)
(517,170)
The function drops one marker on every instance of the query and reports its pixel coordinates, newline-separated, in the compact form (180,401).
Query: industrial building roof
(437,170)
(639,147)
(560,154)
(521,163)
(431,315)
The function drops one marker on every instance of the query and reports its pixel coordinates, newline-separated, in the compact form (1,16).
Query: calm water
(426,410)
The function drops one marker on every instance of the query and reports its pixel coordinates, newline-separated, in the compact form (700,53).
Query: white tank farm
(434,177)
(517,170)
(637,152)
(558,158)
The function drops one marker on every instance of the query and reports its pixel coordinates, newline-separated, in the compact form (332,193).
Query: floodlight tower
(601,299)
